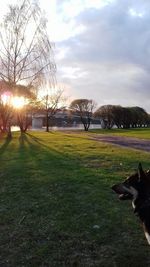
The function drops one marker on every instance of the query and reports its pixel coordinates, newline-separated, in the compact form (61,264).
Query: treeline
(110,115)
(122,117)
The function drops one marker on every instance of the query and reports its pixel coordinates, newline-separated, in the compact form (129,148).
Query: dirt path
(135,143)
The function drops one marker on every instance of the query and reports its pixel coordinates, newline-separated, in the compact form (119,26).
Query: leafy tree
(84,108)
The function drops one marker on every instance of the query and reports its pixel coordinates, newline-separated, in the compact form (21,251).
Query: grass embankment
(57,206)
(142,133)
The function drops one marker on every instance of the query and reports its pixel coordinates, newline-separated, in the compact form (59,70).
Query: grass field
(57,206)
(143,133)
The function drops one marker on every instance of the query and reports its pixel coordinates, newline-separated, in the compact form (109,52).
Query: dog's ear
(141,173)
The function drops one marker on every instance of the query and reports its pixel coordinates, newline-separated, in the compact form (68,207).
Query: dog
(137,189)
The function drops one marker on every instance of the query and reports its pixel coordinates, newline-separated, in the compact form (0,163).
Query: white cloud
(136,13)
(73,72)
(62,24)
(61,31)
(73,8)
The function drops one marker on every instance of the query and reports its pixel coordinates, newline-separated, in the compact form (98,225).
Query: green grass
(143,133)
(55,187)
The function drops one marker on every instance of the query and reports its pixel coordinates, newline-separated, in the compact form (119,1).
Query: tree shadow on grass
(44,157)
(22,140)
(4,146)
(32,141)
(35,139)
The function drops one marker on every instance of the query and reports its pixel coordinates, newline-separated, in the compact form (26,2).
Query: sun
(18,102)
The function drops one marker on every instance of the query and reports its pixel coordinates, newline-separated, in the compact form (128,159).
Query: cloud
(112,54)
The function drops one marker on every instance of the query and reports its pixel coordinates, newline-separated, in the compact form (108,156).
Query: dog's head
(137,188)
(134,186)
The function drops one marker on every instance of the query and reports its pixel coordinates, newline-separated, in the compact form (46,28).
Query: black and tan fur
(137,188)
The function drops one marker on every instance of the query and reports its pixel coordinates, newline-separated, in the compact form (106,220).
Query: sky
(102,49)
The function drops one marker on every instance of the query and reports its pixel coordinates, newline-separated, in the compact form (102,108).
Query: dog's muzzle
(123,191)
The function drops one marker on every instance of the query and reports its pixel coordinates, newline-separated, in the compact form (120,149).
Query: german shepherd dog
(137,188)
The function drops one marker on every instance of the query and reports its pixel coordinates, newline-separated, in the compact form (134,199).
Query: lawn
(143,133)
(57,208)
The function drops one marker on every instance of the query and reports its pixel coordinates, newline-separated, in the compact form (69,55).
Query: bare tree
(23,116)
(105,113)
(85,108)
(50,102)
(25,51)
(122,117)
(6,115)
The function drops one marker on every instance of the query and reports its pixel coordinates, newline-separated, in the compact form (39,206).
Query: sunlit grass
(57,205)
(143,133)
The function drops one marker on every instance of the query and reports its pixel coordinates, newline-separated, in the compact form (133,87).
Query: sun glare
(6,98)
(18,102)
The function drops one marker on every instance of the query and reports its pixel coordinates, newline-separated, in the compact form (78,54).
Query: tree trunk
(47,121)
(9,135)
